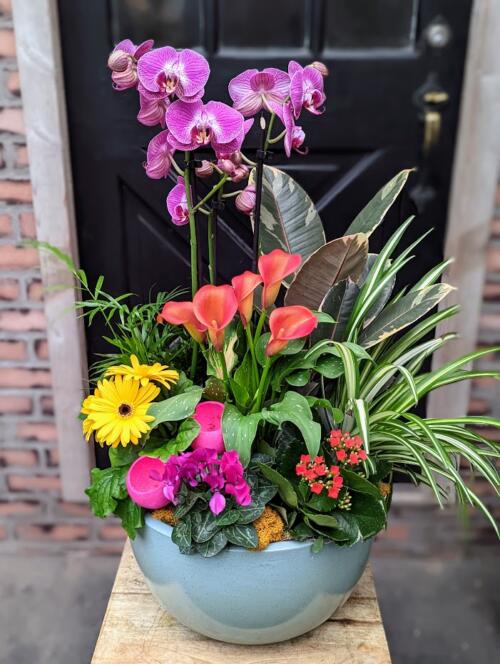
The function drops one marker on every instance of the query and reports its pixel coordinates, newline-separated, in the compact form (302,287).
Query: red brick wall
(32,513)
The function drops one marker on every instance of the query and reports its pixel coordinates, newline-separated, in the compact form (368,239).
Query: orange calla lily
(287,323)
(244,286)
(214,307)
(182,313)
(273,268)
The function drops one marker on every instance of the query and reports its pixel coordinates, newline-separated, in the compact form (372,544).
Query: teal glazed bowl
(248,597)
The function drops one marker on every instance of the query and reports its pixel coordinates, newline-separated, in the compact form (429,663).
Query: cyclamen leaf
(240,535)
(250,513)
(106,488)
(181,534)
(213,546)
(403,312)
(335,261)
(228,517)
(374,212)
(204,525)
(289,219)
(131,515)
(175,408)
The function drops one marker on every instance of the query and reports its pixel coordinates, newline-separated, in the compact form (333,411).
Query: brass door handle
(432,101)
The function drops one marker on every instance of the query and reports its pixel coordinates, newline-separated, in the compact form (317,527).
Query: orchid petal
(294,67)
(193,72)
(281,82)
(240,86)
(152,111)
(155,62)
(158,156)
(297,92)
(126,45)
(182,118)
(177,204)
(143,48)
(226,122)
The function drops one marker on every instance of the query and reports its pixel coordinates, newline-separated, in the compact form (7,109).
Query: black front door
(395,81)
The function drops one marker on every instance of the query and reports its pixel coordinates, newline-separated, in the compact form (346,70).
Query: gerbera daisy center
(125,409)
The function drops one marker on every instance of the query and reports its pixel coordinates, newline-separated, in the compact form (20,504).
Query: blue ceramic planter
(247,597)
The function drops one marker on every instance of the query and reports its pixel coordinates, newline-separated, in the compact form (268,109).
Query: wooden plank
(40,69)
(135,629)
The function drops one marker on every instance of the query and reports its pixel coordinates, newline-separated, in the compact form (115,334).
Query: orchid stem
(177,168)
(269,131)
(211,245)
(278,137)
(211,193)
(258,191)
(192,229)
(197,229)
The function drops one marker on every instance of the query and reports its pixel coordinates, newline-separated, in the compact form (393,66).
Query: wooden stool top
(135,630)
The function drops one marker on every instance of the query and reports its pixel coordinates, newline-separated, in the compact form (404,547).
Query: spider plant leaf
(288,218)
(374,212)
(404,312)
(335,261)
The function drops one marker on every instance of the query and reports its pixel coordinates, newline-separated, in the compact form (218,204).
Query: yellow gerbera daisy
(159,373)
(117,411)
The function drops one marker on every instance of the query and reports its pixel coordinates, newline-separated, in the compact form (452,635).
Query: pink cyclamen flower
(306,89)
(159,155)
(253,90)
(245,200)
(177,204)
(123,62)
(196,124)
(217,503)
(183,73)
(294,135)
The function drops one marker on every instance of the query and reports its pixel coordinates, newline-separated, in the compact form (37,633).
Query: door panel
(379,59)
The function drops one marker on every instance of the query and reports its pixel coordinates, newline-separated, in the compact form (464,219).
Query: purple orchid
(253,90)
(177,204)
(294,135)
(159,155)
(123,62)
(306,88)
(153,107)
(193,125)
(183,73)
(233,166)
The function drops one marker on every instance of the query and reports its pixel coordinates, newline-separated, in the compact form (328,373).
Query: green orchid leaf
(289,220)
(374,212)
(335,261)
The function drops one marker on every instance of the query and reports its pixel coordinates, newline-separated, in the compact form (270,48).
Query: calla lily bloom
(244,286)
(195,125)
(183,73)
(253,90)
(177,203)
(123,62)
(159,154)
(306,89)
(182,313)
(214,307)
(288,323)
(273,268)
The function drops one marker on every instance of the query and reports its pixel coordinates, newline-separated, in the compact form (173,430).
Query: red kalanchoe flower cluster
(319,477)
(348,449)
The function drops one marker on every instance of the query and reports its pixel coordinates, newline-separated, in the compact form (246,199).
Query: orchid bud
(119,60)
(240,173)
(321,67)
(125,79)
(236,158)
(226,166)
(245,200)
(205,170)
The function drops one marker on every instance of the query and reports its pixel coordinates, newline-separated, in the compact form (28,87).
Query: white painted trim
(472,198)
(40,68)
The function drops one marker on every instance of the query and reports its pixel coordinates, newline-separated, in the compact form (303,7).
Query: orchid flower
(153,106)
(159,155)
(244,286)
(233,165)
(306,88)
(253,90)
(294,135)
(214,307)
(182,313)
(288,323)
(183,73)
(196,124)
(177,203)
(245,200)
(123,62)
(273,268)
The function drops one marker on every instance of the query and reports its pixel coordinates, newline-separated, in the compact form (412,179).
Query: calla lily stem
(261,390)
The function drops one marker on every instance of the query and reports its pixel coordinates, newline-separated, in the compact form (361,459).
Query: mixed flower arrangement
(233,415)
